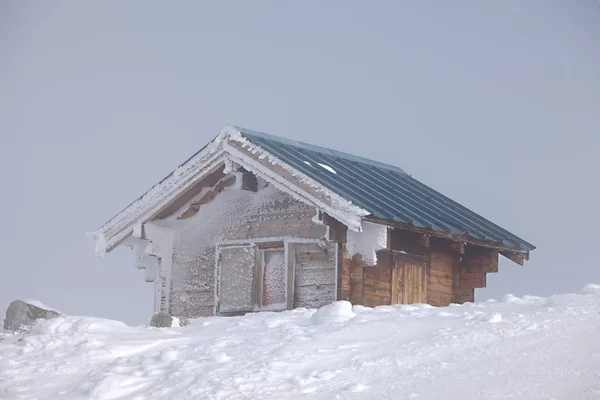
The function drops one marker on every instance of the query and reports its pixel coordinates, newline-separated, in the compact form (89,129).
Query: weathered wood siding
(476,263)
(440,291)
(409,279)
(233,215)
(352,277)
(314,274)
(377,285)
(450,274)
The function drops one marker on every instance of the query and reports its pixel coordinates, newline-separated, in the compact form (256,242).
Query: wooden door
(235,279)
(273,282)
(409,279)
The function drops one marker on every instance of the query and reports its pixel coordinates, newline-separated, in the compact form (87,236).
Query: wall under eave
(235,215)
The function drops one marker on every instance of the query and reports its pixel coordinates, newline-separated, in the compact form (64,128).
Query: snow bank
(340,311)
(522,348)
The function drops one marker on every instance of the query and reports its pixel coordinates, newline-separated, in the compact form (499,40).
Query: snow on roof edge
(338,202)
(349,218)
(128,216)
(119,226)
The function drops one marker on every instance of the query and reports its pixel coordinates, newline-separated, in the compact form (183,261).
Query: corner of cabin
(387,265)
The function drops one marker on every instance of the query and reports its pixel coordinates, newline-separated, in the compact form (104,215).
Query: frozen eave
(217,152)
(335,205)
(146,206)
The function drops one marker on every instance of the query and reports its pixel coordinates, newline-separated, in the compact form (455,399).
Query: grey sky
(495,104)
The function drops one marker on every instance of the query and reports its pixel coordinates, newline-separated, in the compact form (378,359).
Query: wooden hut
(256,222)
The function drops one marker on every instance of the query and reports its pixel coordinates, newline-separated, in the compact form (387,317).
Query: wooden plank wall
(409,278)
(440,289)
(314,274)
(377,284)
(353,278)
(454,270)
(193,279)
(476,263)
(439,263)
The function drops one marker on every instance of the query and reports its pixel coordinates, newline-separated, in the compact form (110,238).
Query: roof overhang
(228,145)
(516,255)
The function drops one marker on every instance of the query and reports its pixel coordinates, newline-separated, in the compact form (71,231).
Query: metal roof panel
(385,190)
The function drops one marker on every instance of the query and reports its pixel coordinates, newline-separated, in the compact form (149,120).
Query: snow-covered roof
(348,187)
(229,145)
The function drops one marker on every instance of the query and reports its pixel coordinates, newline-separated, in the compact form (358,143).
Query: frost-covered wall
(234,214)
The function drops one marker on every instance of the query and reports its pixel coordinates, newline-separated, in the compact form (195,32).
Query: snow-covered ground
(528,348)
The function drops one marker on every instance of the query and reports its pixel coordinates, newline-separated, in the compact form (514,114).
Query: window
(273,280)
(252,277)
(236,273)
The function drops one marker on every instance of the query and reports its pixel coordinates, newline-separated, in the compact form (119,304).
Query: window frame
(259,245)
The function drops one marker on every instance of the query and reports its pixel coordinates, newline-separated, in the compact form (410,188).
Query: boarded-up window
(315,274)
(236,279)
(274,279)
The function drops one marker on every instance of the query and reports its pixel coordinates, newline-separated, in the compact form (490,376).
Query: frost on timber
(341,208)
(229,217)
(275,293)
(237,278)
(122,224)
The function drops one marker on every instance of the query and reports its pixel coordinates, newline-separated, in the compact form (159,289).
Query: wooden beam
(473,279)
(442,235)
(480,258)
(409,242)
(207,180)
(458,247)
(518,258)
(209,194)
(456,274)
(249,182)
(337,231)
(385,258)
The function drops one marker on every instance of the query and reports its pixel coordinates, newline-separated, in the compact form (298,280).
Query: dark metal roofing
(386,191)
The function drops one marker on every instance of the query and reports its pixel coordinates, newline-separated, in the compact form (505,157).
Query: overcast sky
(496,104)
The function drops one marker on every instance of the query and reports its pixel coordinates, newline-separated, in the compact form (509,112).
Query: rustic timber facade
(254,222)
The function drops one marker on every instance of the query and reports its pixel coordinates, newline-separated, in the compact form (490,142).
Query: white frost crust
(101,244)
(161,245)
(138,230)
(366,243)
(340,208)
(124,223)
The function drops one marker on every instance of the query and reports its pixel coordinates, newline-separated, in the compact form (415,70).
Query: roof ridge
(336,153)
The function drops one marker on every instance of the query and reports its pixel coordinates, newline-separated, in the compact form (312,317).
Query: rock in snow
(161,320)
(21,315)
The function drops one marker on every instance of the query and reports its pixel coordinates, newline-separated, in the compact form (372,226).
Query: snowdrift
(521,348)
